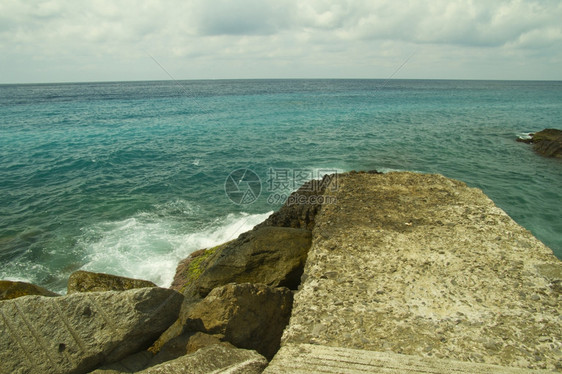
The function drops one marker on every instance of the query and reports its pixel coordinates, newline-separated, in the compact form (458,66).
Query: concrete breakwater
(400,269)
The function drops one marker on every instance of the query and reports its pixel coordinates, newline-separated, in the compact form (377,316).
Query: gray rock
(77,333)
(274,256)
(250,316)
(11,290)
(85,281)
(218,358)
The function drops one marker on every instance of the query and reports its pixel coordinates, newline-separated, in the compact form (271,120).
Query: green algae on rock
(274,256)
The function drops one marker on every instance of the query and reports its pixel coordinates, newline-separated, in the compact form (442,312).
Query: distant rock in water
(85,281)
(547,142)
(11,290)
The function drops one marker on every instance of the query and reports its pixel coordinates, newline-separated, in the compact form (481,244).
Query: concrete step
(308,358)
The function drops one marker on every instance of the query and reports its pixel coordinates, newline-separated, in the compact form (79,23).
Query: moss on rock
(190,269)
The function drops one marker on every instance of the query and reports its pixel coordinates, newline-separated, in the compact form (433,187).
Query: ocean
(129,178)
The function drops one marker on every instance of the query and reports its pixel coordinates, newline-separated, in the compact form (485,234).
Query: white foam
(149,247)
(525,135)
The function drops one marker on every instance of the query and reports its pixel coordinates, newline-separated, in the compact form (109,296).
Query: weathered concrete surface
(86,281)
(79,332)
(309,359)
(423,265)
(218,358)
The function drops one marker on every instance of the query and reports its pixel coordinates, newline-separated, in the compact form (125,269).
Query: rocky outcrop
(419,270)
(274,256)
(11,290)
(77,333)
(85,281)
(547,142)
(250,316)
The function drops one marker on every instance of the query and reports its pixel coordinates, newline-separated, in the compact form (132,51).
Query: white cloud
(66,40)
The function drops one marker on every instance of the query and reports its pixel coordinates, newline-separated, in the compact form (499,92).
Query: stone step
(308,358)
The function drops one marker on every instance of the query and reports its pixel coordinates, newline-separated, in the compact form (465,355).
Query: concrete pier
(420,273)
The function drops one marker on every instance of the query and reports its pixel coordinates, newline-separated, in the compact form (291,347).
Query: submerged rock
(85,281)
(274,256)
(11,290)
(547,142)
(77,333)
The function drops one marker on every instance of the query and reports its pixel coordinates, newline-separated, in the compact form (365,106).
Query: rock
(177,328)
(250,316)
(218,358)
(131,364)
(302,206)
(184,344)
(274,256)
(11,290)
(190,268)
(547,142)
(85,281)
(79,332)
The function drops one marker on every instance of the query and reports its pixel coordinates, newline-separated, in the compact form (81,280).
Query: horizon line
(281,79)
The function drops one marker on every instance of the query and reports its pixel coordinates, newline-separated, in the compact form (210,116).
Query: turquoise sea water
(129,178)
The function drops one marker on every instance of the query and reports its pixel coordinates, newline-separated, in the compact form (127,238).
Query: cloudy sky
(109,40)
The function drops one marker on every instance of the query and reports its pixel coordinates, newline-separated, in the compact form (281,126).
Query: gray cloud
(50,40)
(243,17)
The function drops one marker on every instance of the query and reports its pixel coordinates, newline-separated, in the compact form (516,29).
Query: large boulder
(547,142)
(85,281)
(274,256)
(218,358)
(11,290)
(77,333)
(251,316)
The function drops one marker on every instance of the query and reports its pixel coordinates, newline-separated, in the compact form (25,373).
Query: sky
(120,40)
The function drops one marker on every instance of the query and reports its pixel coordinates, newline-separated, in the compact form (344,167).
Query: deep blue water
(128,178)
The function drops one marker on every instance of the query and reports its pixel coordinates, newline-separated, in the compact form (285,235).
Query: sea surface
(129,178)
